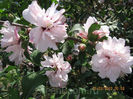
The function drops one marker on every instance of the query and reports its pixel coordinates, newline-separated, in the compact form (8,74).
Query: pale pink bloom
(103,31)
(59,76)
(10,35)
(112,59)
(17,55)
(11,40)
(50,26)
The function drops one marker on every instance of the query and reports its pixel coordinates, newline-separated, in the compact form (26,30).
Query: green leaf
(9,68)
(13,93)
(92,28)
(130,36)
(90,49)
(52,96)
(31,98)
(41,89)
(36,57)
(31,82)
(82,90)
(103,38)
(55,1)
(66,48)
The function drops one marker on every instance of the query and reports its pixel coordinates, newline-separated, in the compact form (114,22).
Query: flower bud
(69,57)
(82,47)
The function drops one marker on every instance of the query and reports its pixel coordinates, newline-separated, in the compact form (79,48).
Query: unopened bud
(69,58)
(82,47)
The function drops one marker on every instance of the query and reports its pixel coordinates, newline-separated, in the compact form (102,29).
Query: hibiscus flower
(112,59)
(50,26)
(59,76)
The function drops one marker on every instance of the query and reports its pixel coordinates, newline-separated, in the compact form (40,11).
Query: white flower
(103,31)
(51,27)
(57,77)
(11,40)
(112,59)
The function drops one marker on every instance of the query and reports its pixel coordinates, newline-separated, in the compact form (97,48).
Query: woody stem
(15,24)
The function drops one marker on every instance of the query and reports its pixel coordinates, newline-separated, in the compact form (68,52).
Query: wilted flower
(112,59)
(57,77)
(11,40)
(51,27)
(103,31)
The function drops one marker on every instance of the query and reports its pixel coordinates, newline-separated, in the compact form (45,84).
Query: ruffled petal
(32,12)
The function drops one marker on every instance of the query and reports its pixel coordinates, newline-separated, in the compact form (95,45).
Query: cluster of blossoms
(112,58)
(49,31)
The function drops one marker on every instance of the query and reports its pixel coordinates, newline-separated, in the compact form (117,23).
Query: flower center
(108,57)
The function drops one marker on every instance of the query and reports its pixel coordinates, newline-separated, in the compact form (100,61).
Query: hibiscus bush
(61,49)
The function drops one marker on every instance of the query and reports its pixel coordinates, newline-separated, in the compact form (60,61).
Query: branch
(15,24)
(78,40)
(24,26)
(74,39)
